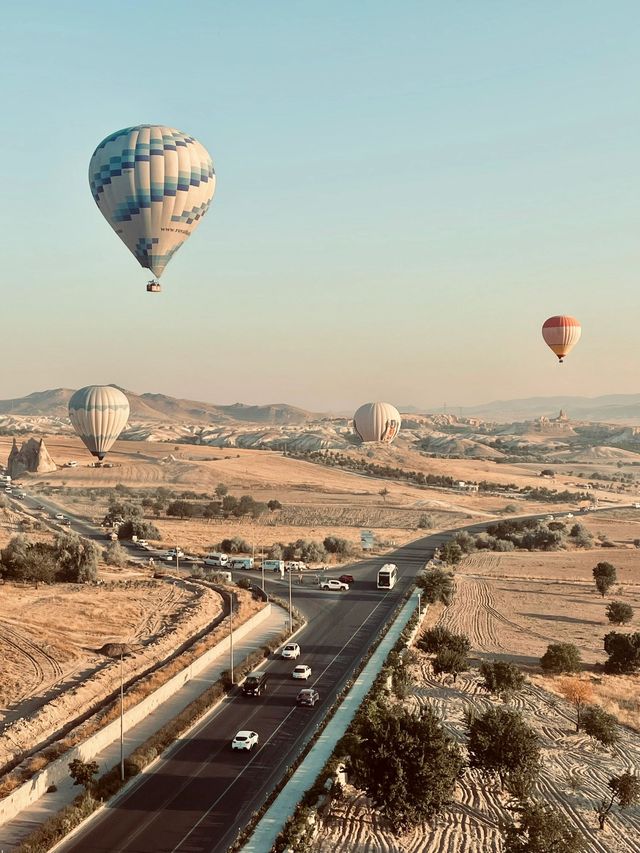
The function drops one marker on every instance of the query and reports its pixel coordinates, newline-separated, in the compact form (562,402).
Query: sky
(405,192)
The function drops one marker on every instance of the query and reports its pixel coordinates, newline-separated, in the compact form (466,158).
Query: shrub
(140,529)
(605,576)
(541,829)
(500,742)
(600,726)
(76,557)
(625,789)
(451,662)
(435,639)
(425,522)
(623,651)
(561,658)
(436,586)
(501,677)
(114,555)
(244,583)
(619,613)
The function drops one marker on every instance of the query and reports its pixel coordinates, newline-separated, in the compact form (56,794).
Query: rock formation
(33,457)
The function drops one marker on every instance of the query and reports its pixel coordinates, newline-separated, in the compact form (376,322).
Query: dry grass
(617,694)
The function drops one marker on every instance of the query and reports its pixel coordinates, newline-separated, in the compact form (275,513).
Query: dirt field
(49,636)
(512,606)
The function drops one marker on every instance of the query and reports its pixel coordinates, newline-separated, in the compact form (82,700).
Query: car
(548,518)
(334,583)
(569,515)
(301,671)
(307,696)
(173,553)
(255,684)
(8,490)
(245,740)
(59,516)
(291,650)
(41,508)
(346,579)
(636,506)
(65,522)
(142,543)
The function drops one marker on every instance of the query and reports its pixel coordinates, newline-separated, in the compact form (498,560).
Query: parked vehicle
(301,671)
(273,566)
(255,684)
(294,566)
(59,516)
(142,543)
(347,579)
(173,553)
(241,563)
(216,559)
(291,650)
(245,740)
(636,506)
(307,696)
(334,584)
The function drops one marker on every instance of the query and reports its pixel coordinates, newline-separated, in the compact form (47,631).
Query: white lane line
(246,767)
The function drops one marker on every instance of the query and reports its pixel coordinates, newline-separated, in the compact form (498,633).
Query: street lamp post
(122,714)
(419,611)
(231,636)
(290,609)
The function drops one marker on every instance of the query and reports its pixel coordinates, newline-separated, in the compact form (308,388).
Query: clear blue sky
(405,192)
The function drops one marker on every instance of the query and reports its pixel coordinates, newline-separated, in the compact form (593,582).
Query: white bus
(387,576)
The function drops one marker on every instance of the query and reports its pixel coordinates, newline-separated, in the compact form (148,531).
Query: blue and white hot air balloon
(98,414)
(153,184)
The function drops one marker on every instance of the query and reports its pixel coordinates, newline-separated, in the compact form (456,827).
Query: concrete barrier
(34,788)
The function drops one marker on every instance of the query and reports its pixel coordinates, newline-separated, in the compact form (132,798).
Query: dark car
(347,579)
(255,684)
(308,696)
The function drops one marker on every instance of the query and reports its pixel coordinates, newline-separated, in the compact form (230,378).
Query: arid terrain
(512,606)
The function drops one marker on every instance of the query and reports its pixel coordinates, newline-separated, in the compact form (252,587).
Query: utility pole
(122,715)
(290,610)
(231,637)
(419,612)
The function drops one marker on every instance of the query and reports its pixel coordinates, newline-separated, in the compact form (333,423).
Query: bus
(387,576)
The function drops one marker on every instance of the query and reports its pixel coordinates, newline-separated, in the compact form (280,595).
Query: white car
(142,543)
(301,671)
(636,506)
(171,555)
(569,515)
(59,516)
(334,584)
(291,650)
(245,740)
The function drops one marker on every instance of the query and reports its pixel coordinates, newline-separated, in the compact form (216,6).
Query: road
(201,794)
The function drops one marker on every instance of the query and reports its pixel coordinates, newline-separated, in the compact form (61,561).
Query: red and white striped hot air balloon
(561,334)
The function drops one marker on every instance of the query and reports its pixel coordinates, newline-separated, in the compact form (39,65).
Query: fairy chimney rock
(33,458)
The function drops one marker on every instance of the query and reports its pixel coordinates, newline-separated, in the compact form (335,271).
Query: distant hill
(161,407)
(611,408)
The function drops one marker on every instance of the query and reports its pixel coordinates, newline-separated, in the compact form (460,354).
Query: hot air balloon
(561,334)
(98,414)
(153,185)
(377,422)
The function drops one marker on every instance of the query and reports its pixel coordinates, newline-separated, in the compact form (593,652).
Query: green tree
(599,725)
(500,742)
(406,763)
(139,529)
(541,829)
(211,510)
(501,678)
(581,536)
(619,613)
(437,586)
(605,576)
(625,790)
(221,490)
(624,653)
(229,505)
(451,662)
(440,637)
(115,555)
(76,557)
(84,773)
(384,493)
(181,509)
(273,505)
(451,553)
(561,658)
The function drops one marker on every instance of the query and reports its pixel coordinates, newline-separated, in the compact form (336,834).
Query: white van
(273,566)
(241,563)
(294,566)
(216,559)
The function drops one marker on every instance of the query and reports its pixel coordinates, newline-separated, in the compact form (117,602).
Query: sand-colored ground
(49,638)
(512,606)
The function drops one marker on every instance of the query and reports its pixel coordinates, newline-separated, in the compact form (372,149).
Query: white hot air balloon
(377,422)
(98,414)
(153,184)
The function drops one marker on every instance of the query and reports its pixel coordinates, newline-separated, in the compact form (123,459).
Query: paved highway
(202,794)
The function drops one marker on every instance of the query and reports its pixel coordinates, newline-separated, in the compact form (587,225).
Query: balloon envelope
(153,184)
(377,422)
(561,334)
(98,413)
